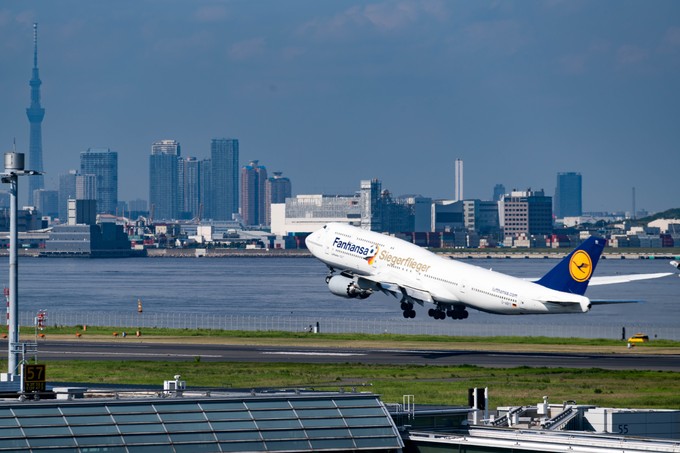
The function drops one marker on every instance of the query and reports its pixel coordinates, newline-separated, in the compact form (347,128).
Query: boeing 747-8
(362,262)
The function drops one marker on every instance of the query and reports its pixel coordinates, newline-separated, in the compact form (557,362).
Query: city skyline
(335,92)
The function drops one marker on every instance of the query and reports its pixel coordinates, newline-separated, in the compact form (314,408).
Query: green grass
(429,384)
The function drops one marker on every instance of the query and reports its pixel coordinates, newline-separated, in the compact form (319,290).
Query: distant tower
(371,207)
(103,164)
(192,187)
(277,190)
(498,192)
(67,191)
(224,169)
(568,195)
(205,208)
(164,179)
(633,214)
(459,180)
(35,115)
(86,187)
(253,182)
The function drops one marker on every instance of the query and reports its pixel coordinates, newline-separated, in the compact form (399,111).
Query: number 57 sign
(34,378)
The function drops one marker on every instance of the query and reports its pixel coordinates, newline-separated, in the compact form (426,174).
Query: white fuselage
(427,277)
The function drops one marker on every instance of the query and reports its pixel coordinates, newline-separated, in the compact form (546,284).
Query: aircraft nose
(313,241)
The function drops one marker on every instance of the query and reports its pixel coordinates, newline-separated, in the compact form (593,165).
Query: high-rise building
(86,187)
(164,179)
(568,195)
(103,163)
(459,180)
(277,189)
(371,212)
(67,191)
(47,202)
(498,192)
(192,187)
(526,213)
(224,193)
(481,217)
(205,189)
(253,183)
(35,115)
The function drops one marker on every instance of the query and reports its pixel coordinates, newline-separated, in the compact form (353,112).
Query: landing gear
(409,312)
(457,313)
(436,313)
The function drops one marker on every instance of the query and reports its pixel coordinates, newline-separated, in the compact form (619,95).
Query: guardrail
(345,325)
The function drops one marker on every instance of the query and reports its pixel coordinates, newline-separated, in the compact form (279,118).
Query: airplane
(363,262)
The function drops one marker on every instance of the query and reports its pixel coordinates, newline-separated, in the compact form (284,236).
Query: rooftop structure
(175,420)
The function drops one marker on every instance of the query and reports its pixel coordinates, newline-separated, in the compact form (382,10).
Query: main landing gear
(409,312)
(454,313)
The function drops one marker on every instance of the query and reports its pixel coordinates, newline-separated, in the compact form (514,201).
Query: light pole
(14,167)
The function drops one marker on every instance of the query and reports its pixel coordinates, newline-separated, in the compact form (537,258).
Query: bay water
(295,287)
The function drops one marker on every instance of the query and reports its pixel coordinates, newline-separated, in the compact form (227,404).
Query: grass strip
(430,384)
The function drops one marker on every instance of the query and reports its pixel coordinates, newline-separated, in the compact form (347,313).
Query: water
(295,288)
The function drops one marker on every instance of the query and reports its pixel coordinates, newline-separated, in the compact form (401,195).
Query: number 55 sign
(34,378)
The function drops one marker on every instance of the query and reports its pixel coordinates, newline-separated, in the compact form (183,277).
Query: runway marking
(338,354)
(542,356)
(127,354)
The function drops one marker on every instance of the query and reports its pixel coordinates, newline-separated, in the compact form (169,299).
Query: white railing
(346,325)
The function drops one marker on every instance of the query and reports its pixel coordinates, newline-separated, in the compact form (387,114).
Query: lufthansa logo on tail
(580,266)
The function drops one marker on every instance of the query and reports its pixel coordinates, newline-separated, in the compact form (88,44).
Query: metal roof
(281,422)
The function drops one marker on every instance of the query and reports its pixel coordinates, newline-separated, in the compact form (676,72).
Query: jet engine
(347,287)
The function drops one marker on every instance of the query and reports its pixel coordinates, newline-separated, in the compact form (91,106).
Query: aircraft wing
(397,289)
(612,279)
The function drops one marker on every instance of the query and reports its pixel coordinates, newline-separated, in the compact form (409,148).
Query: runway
(123,350)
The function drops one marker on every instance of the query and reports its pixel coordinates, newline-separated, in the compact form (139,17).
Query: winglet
(572,274)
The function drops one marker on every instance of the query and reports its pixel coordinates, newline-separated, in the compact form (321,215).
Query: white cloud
(246,49)
(499,36)
(383,16)
(213,13)
(630,55)
(573,64)
(672,37)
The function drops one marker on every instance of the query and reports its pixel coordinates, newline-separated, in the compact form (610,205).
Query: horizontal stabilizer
(610,301)
(564,303)
(611,279)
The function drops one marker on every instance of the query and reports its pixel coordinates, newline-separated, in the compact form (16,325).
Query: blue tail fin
(572,274)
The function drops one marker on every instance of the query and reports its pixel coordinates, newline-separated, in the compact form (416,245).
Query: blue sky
(332,92)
